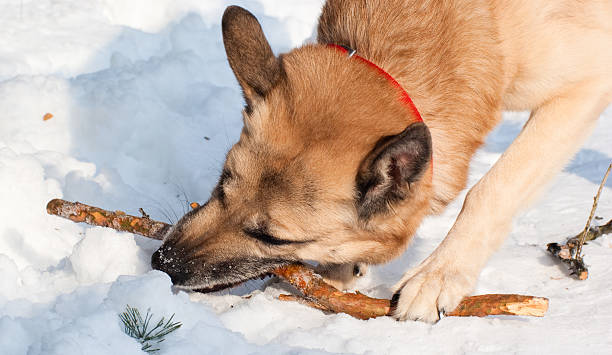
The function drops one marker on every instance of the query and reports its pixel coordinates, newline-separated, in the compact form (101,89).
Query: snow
(145,108)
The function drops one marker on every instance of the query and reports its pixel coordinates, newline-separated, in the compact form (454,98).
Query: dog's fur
(332,167)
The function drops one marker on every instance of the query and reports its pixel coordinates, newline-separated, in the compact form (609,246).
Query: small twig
(588,224)
(143,213)
(566,252)
(571,252)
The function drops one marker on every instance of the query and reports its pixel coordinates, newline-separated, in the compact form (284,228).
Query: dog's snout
(156,262)
(162,261)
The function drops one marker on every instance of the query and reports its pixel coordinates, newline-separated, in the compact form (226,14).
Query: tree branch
(319,294)
(316,293)
(571,252)
(567,252)
(80,212)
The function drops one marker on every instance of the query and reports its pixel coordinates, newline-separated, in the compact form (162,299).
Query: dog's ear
(388,170)
(248,53)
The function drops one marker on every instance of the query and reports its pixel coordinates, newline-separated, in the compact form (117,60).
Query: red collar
(405,98)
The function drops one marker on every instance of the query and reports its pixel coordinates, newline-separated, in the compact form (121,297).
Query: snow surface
(145,108)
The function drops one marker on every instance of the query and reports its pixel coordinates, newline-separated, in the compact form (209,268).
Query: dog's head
(331,166)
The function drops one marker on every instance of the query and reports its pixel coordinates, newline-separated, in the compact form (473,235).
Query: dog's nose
(170,265)
(156,262)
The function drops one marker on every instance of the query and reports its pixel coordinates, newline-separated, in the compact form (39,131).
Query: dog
(350,142)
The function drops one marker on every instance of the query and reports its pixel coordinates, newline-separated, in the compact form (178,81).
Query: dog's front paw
(431,289)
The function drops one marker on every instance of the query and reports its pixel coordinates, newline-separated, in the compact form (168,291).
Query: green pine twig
(137,327)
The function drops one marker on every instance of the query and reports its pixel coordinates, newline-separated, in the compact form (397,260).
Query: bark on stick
(320,295)
(80,212)
(316,293)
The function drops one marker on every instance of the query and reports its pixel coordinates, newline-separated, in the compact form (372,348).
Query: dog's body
(332,167)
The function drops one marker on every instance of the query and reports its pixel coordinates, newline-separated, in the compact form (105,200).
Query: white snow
(145,108)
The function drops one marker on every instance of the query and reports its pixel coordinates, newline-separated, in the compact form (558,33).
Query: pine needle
(140,328)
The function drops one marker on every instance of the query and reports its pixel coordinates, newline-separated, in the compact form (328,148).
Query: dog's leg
(550,137)
(341,276)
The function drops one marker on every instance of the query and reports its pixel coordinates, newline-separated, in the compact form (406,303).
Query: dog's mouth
(224,286)
(227,274)
(205,275)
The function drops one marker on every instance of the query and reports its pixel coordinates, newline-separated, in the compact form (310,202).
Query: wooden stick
(571,252)
(80,212)
(588,224)
(303,300)
(315,289)
(501,304)
(567,252)
(317,293)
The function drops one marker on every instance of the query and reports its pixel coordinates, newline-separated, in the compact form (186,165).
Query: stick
(571,252)
(588,224)
(567,252)
(302,300)
(316,292)
(80,212)
(319,294)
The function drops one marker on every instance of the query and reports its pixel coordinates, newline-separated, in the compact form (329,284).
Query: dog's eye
(263,236)
(225,175)
(218,192)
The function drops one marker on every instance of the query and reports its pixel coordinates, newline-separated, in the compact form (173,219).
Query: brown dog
(333,164)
